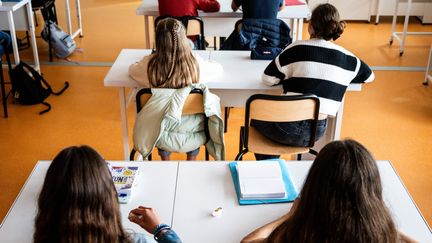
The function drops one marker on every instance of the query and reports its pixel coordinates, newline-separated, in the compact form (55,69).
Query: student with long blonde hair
(341,201)
(174,66)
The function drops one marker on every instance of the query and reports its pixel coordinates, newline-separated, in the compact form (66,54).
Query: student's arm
(138,72)
(261,234)
(272,75)
(235,5)
(208,5)
(148,220)
(364,75)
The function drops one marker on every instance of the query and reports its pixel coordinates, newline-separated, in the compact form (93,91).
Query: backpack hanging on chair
(61,42)
(29,87)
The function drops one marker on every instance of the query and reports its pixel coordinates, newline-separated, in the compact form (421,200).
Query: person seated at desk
(341,201)
(173,66)
(78,203)
(315,66)
(179,8)
(258,9)
(173,61)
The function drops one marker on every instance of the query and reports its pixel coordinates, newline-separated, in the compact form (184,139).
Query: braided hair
(172,65)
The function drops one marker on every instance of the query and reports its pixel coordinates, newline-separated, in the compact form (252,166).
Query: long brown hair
(341,200)
(78,201)
(326,23)
(172,65)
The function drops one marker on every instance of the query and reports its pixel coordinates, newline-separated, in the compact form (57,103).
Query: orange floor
(392,116)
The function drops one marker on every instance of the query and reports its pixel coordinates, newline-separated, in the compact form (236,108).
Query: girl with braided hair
(173,66)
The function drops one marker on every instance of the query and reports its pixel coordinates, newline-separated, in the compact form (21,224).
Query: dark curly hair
(326,23)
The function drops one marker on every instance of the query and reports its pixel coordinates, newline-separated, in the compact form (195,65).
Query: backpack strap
(38,76)
(47,109)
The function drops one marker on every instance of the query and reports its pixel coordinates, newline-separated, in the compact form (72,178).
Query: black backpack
(29,87)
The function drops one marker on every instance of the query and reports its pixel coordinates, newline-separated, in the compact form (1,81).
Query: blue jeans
(165,153)
(288,133)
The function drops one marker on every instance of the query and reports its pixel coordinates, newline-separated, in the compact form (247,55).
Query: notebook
(124,178)
(260,180)
(273,195)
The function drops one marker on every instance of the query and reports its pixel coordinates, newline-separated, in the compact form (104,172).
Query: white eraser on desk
(217,212)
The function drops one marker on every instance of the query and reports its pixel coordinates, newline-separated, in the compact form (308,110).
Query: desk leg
(294,30)
(394,22)
(300,29)
(68,18)
(33,37)
(78,9)
(405,28)
(123,114)
(147,31)
(13,36)
(378,11)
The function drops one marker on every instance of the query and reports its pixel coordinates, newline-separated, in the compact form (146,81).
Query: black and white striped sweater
(317,67)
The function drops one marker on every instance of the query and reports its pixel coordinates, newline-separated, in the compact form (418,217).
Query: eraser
(217,212)
(134,215)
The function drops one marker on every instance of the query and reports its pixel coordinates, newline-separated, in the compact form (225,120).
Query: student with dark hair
(315,66)
(341,201)
(78,203)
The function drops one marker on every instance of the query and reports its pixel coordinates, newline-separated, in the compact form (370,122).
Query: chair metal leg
(3,92)
(227,111)
(239,156)
(299,156)
(241,139)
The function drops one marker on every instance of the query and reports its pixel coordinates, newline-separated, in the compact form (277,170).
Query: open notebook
(261,182)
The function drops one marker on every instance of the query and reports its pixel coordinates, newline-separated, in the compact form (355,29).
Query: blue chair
(5,42)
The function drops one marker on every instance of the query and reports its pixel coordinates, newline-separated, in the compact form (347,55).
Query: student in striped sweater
(315,66)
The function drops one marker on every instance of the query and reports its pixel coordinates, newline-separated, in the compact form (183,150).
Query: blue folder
(289,186)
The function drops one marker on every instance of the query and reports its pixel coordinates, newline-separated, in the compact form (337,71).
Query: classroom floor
(391,116)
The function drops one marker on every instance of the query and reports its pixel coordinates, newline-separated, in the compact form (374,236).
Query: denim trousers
(288,133)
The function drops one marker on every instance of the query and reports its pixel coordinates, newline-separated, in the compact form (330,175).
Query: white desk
(222,23)
(187,192)
(155,188)
(241,79)
(11,8)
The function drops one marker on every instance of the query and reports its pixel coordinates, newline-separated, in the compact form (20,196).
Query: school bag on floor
(29,87)
(62,43)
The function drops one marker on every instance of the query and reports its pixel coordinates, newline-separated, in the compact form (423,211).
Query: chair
(277,108)
(49,12)
(192,105)
(4,48)
(194,27)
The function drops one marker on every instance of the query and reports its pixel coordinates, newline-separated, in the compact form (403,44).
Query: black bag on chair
(29,87)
